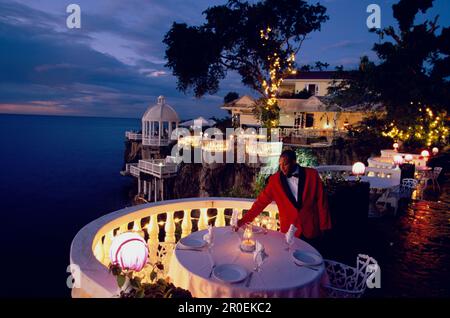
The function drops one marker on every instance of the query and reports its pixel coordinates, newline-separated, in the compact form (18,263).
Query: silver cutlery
(247,282)
(212,269)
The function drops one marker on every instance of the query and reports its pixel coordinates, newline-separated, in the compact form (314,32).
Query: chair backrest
(365,266)
(409,183)
(437,171)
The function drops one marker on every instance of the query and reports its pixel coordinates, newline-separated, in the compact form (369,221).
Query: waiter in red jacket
(299,195)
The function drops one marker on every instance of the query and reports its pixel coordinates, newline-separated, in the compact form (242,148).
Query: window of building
(313,89)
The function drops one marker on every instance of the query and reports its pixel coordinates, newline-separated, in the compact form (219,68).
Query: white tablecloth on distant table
(279,276)
(378,183)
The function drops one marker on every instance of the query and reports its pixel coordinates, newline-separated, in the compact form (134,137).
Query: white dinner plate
(230,273)
(192,242)
(306,258)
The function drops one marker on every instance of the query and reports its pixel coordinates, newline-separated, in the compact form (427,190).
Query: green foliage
(231,96)
(366,137)
(260,183)
(268,114)
(156,289)
(238,192)
(306,158)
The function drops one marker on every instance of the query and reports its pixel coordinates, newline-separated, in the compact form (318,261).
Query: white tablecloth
(378,183)
(279,276)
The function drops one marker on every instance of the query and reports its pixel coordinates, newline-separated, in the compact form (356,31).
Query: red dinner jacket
(309,214)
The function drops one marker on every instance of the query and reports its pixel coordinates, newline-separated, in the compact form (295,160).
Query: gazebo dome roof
(161,112)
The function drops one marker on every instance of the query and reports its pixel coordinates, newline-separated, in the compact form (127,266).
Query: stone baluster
(98,251)
(137,225)
(123,228)
(170,228)
(220,218)
(186,225)
(203,220)
(153,240)
(107,246)
(153,229)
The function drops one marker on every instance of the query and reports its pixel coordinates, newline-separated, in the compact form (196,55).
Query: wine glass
(289,243)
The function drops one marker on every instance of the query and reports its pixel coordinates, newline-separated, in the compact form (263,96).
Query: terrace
(162,224)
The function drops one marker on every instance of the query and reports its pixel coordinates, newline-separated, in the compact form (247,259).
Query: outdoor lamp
(358,170)
(425,154)
(435,151)
(129,251)
(395,146)
(398,160)
(408,158)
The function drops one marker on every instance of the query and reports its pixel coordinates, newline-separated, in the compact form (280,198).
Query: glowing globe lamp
(129,251)
(358,169)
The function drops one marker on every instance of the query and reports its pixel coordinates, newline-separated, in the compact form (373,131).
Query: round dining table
(278,276)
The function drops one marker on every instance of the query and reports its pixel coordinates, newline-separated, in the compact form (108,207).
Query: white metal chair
(432,175)
(392,196)
(346,281)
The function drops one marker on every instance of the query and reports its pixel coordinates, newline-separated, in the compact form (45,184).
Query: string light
(430,128)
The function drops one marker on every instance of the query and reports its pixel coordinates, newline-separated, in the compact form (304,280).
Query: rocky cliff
(238,180)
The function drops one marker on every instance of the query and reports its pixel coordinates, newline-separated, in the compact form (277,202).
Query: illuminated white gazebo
(158,123)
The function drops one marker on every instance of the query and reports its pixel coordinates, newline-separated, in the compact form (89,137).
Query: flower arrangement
(133,287)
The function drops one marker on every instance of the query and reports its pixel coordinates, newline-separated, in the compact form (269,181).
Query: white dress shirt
(293,184)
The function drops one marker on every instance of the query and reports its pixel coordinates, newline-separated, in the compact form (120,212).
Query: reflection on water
(413,250)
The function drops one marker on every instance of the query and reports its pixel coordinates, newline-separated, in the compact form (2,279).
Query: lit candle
(248,244)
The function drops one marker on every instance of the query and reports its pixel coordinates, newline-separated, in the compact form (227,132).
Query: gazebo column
(139,185)
(156,193)
(170,130)
(150,189)
(159,133)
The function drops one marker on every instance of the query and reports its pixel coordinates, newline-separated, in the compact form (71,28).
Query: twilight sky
(114,65)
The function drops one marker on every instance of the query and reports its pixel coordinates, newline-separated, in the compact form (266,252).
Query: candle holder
(248,244)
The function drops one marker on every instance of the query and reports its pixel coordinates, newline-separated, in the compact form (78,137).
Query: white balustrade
(90,247)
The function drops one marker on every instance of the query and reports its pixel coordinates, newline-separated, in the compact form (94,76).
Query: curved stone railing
(346,171)
(162,223)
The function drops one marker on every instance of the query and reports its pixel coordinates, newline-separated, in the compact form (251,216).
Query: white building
(301,116)
(158,123)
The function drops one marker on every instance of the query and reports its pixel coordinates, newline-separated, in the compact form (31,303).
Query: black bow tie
(295,174)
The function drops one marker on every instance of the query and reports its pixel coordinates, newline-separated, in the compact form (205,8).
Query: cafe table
(278,276)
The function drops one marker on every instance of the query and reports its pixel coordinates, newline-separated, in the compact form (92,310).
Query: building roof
(313,75)
(297,105)
(161,112)
(245,101)
(198,122)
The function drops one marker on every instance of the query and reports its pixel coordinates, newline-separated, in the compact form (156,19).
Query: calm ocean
(57,175)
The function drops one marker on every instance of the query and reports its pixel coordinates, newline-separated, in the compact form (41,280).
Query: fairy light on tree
(431,128)
(267,109)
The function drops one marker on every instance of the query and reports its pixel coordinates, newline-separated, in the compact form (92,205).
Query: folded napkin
(259,254)
(209,237)
(290,233)
(234,218)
